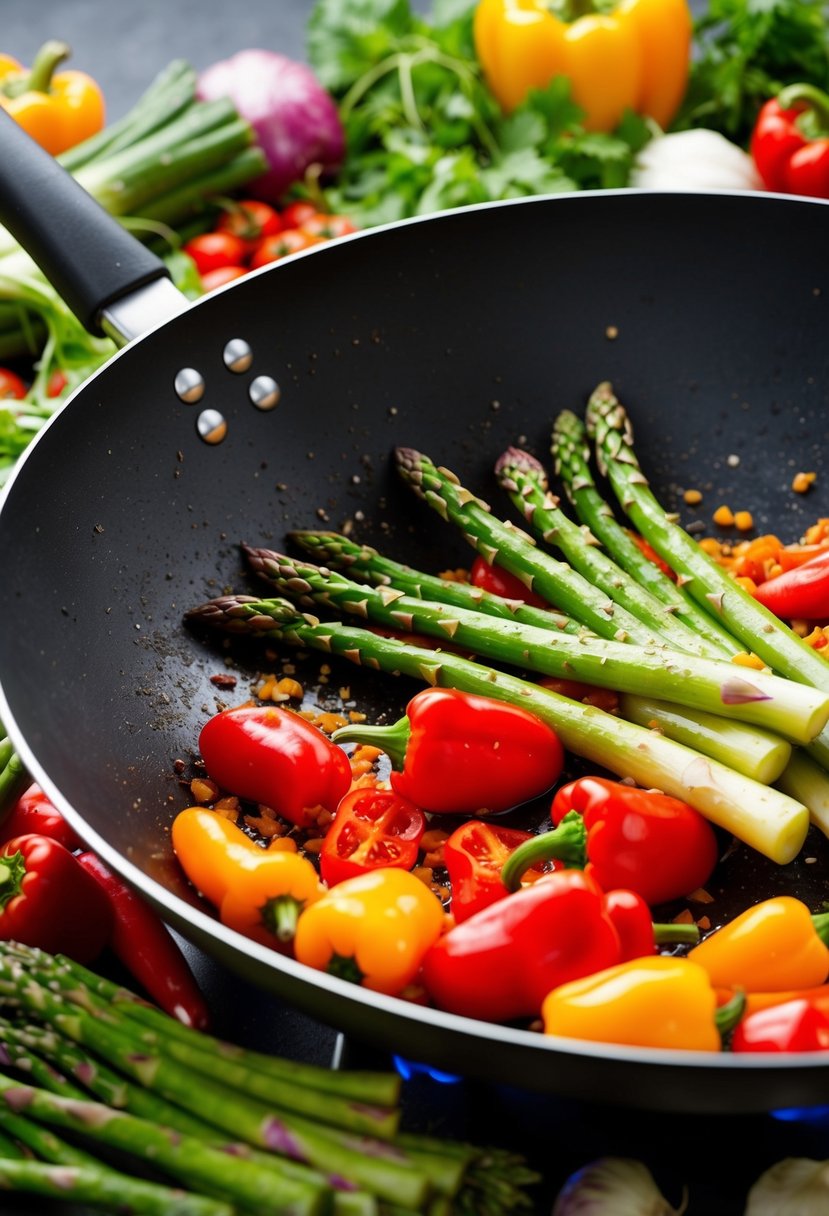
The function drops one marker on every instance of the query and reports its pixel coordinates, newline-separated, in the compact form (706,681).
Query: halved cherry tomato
(221,275)
(291,240)
(295,214)
(372,828)
(57,383)
(250,220)
(210,250)
(501,582)
(11,386)
(328,226)
(474,856)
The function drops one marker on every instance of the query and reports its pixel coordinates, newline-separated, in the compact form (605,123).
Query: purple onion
(296,121)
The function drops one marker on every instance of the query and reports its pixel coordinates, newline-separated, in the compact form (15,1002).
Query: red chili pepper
(460,753)
(500,963)
(500,582)
(626,837)
(144,944)
(275,757)
(372,827)
(474,856)
(33,813)
(48,900)
(796,1025)
(790,157)
(800,592)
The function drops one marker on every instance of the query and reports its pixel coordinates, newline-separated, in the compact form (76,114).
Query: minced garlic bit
(723,517)
(692,497)
(611,332)
(802,482)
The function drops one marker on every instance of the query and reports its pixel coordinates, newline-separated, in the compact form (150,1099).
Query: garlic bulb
(613,1186)
(796,1186)
(698,159)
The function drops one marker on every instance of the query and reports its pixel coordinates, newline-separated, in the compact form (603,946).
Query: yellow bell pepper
(656,1001)
(773,946)
(58,109)
(637,56)
(373,929)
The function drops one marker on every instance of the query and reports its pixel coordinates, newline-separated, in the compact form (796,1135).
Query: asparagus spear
(758,629)
(501,542)
(713,685)
(764,818)
(570,452)
(99,1186)
(525,480)
(366,565)
(14,779)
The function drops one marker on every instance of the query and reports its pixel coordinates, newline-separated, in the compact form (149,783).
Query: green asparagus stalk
(42,1142)
(510,547)
(713,685)
(14,779)
(15,1053)
(525,481)
(764,818)
(185,1158)
(571,453)
(759,630)
(374,1165)
(99,1186)
(366,565)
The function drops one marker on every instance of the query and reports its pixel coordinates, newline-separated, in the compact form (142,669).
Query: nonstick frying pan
(457,334)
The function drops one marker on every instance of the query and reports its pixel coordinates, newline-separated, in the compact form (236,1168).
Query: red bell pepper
(500,582)
(790,142)
(624,836)
(33,813)
(48,900)
(372,827)
(145,946)
(802,592)
(460,753)
(474,856)
(797,1025)
(274,757)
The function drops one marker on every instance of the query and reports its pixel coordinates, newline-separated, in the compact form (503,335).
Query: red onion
(295,119)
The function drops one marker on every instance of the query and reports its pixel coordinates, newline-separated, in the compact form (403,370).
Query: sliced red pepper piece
(372,827)
(474,856)
(802,592)
(500,582)
(48,900)
(797,1025)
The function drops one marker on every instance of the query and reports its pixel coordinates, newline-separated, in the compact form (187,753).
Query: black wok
(457,334)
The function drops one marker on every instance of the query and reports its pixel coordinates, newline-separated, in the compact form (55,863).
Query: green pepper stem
(728,1015)
(12,873)
(393,740)
(821,923)
(567,843)
(39,77)
(280,916)
(673,933)
(808,95)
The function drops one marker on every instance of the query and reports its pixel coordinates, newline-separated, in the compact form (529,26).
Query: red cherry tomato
(210,250)
(328,226)
(57,383)
(272,248)
(221,275)
(11,386)
(250,220)
(372,827)
(296,214)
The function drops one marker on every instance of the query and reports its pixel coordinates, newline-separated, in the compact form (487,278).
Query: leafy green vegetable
(745,51)
(423,131)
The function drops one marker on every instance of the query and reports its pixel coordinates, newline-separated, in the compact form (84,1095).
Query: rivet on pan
(237,355)
(211,426)
(264,392)
(189,385)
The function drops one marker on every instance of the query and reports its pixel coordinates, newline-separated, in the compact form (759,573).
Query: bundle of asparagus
(220,1129)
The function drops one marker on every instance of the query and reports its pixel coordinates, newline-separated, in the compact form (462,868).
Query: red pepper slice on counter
(500,582)
(796,1025)
(474,856)
(48,900)
(145,946)
(627,837)
(790,141)
(802,592)
(274,757)
(460,753)
(33,813)
(372,827)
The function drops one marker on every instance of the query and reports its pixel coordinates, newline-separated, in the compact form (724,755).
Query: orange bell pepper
(657,1001)
(773,946)
(373,929)
(212,850)
(58,109)
(635,56)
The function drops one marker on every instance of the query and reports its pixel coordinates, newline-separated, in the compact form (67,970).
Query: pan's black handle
(87,256)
